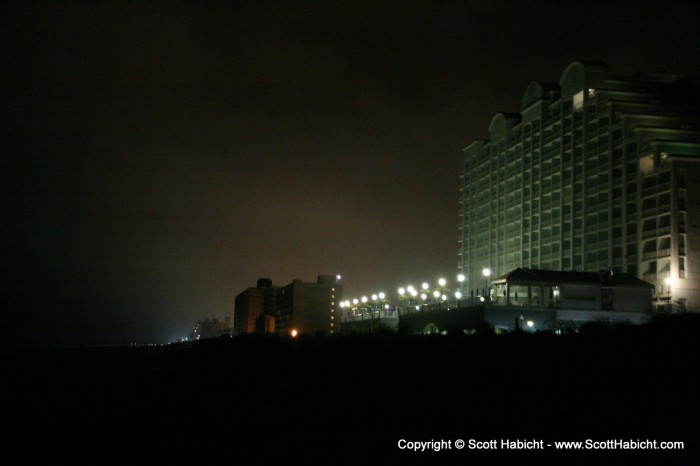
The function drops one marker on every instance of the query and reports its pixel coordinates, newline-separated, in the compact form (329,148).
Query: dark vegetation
(351,395)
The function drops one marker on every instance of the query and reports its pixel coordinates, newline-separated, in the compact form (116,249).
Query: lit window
(332,317)
(578,101)
(591,92)
(331,324)
(646,164)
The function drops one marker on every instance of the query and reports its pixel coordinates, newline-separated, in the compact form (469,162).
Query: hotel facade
(594,173)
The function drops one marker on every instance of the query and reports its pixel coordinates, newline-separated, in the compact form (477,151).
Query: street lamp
(442,286)
(487,273)
(402,295)
(669,281)
(425,286)
(411,293)
(414,293)
(460,279)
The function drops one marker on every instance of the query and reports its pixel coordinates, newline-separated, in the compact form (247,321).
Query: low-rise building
(527,299)
(309,307)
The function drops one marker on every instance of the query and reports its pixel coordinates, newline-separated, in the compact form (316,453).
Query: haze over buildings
(159,157)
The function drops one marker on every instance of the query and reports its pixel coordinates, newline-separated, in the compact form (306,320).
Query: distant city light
(458,294)
(442,282)
(460,278)
(486,272)
(530,323)
(402,291)
(294,333)
(425,286)
(338,277)
(381,295)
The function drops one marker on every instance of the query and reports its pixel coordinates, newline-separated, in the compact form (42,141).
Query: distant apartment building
(309,307)
(594,173)
(254,309)
(211,328)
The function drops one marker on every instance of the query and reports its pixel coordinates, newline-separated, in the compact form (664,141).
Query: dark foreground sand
(265,400)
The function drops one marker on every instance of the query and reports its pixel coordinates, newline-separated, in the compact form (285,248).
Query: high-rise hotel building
(594,173)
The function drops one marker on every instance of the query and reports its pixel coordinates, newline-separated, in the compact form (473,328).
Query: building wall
(631,299)
(248,307)
(593,173)
(310,308)
(580,296)
(254,308)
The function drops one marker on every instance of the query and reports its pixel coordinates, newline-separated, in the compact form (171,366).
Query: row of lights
(410,291)
(425,289)
(381,296)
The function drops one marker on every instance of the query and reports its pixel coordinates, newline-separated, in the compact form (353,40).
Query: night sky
(159,157)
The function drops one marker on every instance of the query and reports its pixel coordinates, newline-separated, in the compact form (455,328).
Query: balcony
(648,255)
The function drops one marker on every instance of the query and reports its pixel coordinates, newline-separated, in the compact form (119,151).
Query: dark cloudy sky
(159,157)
